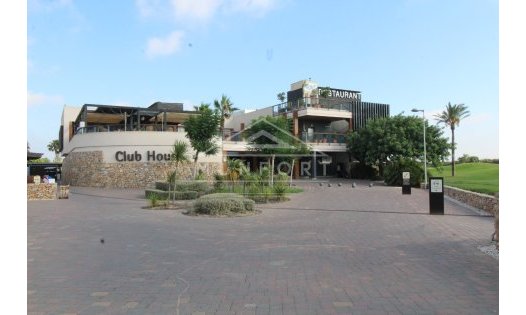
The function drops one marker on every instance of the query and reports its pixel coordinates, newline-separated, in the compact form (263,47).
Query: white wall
(237,118)
(69,113)
(130,141)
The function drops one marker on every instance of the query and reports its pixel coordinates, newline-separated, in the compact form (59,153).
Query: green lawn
(478,177)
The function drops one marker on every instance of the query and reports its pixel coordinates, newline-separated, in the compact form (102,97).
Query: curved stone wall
(484,202)
(88,169)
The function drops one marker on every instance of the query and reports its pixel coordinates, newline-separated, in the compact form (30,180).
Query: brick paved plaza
(330,250)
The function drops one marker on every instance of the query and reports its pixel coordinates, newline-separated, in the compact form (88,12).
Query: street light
(414,110)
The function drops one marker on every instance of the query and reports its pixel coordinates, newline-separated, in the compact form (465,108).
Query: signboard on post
(436,195)
(406,183)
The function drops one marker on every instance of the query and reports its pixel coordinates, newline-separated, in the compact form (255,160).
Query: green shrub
(249,204)
(199,186)
(222,204)
(160,194)
(251,179)
(264,174)
(279,191)
(185,195)
(393,172)
(256,193)
(495,161)
(165,186)
(200,175)
(466,158)
(219,181)
(282,177)
(363,171)
(153,199)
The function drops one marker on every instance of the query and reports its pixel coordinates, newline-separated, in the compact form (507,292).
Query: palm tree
(451,117)
(235,169)
(54,146)
(201,107)
(178,155)
(224,108)
(281,97)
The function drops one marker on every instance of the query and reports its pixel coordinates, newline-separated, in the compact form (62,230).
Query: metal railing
(124,128)
(313,137)
(323,138)
(311,102)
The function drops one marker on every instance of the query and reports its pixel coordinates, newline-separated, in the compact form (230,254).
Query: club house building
(129,147)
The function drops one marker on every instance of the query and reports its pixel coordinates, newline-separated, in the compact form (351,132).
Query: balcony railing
(323,138)
(310,138)
(311,102)
(124,128)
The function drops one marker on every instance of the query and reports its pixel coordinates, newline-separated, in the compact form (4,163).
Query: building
(321,118)
(116,146)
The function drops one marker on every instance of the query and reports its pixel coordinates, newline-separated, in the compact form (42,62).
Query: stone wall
(41,191)
(89,170)
(484,202)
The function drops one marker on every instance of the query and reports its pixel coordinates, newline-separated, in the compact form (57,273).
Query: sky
(406,53)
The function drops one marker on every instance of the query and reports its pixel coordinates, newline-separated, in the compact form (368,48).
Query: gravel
(490,250)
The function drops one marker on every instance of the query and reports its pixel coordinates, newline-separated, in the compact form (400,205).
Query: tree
(54,146)
(202,131)
(271,136)
(325,92)
(466,158)
(281,97)
(388,139)
(178,156)
(225,107)
(264,132)
(201,107)
(235,169)
(451,117)
(41,160)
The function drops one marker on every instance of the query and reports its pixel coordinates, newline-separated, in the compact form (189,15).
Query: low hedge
(185,195)
(161,194)
(201,187)
(179,195)
(165,186)
(223,204)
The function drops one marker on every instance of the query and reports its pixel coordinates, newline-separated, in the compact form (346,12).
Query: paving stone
(367,250)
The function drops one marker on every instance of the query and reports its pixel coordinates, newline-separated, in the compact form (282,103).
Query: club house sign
(123,156)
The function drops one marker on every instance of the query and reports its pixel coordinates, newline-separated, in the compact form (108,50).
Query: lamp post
(414,110)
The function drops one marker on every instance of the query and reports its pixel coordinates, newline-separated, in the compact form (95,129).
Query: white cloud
(191,12)
(165,46)
(148,8)
(36,99)
(201,10)
(257,7)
